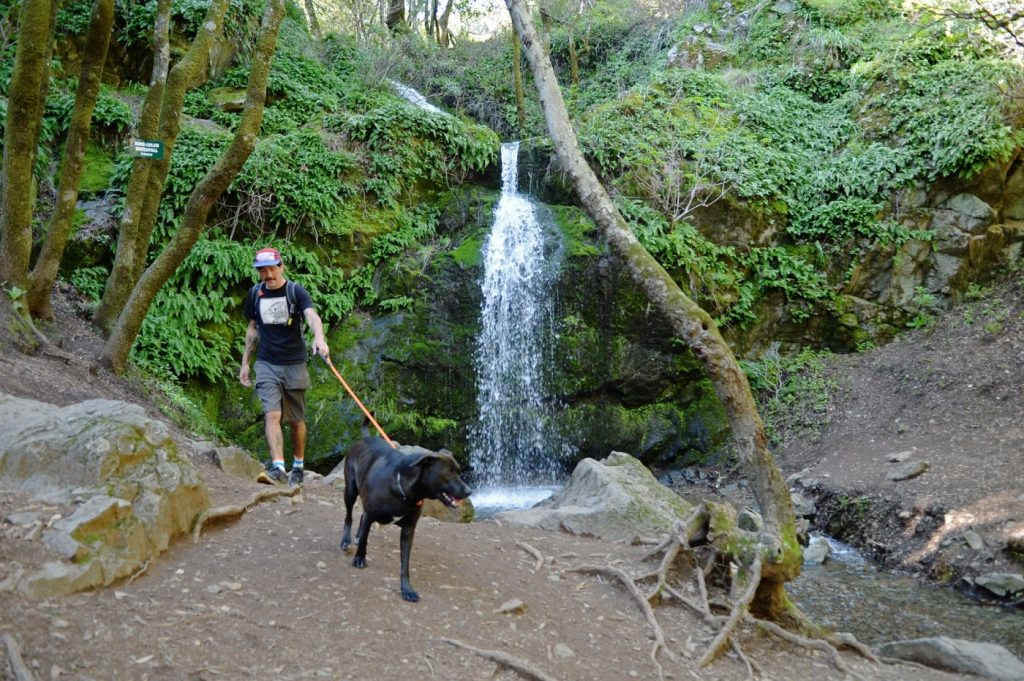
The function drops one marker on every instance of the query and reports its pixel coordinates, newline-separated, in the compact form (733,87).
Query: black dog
(392,486)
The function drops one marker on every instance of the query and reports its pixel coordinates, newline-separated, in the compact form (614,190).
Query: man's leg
(298,453)
(275,438)
(299,442)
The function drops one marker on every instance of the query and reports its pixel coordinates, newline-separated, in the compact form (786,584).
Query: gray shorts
(282,387)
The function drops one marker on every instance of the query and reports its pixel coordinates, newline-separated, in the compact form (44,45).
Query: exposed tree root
(533,552)
(645,606)
(739,609)
(707,545)
(18,667)
(235,511)
(503,659)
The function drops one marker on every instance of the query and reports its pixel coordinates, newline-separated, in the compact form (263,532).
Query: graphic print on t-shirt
(274,310)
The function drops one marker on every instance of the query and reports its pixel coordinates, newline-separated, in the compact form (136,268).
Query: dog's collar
(398,481)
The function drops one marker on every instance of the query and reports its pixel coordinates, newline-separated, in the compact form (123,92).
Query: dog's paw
(410,595)
(345,543)
(359,562)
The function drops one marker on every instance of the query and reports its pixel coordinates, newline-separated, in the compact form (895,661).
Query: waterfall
(415,98)
(513,443)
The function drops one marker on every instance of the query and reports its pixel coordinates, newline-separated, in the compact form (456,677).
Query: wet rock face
(112,477)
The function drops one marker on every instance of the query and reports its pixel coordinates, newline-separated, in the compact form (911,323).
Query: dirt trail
(272,597)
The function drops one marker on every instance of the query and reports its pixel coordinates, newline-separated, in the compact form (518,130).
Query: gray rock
(974,540)
(131,491)
(817,551)
(615,498)
(750,520)
(908,470)
(237,462)
(899,457)
(988,660)
(1002,584)
(802,506)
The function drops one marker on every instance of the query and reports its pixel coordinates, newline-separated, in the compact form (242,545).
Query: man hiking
(276,308)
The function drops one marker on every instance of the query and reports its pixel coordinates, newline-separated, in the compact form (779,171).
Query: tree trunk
(517,78)
(690,324)
(395,20)
(574,60)
(445,36)
(314,23)
(40,283)
(26,97)
(188,73)
(204,196)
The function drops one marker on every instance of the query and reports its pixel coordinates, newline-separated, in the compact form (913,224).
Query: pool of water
(490,501)
(849,593)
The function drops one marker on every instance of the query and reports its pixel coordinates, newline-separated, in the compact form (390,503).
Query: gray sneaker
(295,478)
(276,475)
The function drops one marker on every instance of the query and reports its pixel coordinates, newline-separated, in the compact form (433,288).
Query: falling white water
(513,446)
(413,97)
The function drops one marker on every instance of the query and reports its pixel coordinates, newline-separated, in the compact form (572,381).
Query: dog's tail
(365,428)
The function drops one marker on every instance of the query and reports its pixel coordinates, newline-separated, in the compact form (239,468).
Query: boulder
(1002,584)
(615,498)
(124,490)
(987,660)
(236,461)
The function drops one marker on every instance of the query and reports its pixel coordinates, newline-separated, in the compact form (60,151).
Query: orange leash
(361,406)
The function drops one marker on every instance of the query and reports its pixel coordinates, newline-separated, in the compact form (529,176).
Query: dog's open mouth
(448,500)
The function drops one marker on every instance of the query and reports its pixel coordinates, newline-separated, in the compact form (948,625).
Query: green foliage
(298,181)
(949,114)
(97,171)
(110,116)
(90,281)
(183,333)
(411,146)
(792,393)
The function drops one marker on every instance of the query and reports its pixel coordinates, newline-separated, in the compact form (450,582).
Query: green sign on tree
(148,149)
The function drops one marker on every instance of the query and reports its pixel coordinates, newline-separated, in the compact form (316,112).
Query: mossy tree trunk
(517,78)
(203,197)
(444,34)
(777,547)
(395,18)
(44,273)
(132,246)
(26,97)
(314,23)
(120,280)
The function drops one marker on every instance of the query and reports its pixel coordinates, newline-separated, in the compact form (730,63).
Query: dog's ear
(412,474)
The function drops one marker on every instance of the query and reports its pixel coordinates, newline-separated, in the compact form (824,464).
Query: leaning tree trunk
(314,23)
(188,73)
(26,97)
(44,273)
(517,79)
(203,198)
(777,549)
(395,19)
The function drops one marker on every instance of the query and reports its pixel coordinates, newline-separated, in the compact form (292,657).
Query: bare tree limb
(645,606)
(533,552)
(503,659)
(18,667)
(739,609)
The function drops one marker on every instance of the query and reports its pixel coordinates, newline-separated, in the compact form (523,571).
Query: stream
(849,593)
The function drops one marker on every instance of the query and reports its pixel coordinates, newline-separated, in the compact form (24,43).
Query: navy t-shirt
(280,333)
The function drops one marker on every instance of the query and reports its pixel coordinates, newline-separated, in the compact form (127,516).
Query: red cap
(265,257)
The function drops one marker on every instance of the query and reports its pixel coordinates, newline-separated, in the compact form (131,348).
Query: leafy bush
(298,179)
(792,393)
(412,145)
